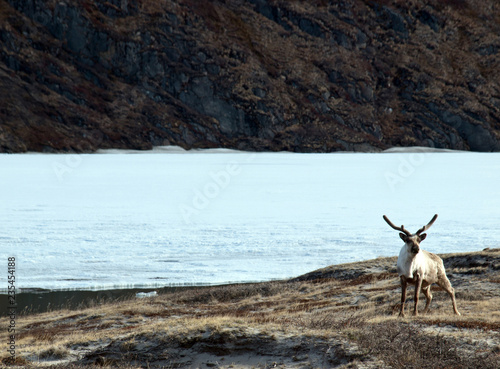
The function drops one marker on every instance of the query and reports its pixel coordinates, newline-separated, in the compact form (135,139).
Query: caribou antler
(402,228)
(424,228)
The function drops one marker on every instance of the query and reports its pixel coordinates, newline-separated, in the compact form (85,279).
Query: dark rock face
(249,74)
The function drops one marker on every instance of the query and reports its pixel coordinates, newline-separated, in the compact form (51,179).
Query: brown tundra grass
(343,316)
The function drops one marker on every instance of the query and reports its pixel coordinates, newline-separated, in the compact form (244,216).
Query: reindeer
(421,268)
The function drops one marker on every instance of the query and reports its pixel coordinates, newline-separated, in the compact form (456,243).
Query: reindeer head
(412,241)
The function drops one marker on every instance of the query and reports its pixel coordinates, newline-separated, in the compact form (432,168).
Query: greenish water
(39,301)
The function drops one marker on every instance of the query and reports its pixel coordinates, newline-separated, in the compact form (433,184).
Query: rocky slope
(305,76)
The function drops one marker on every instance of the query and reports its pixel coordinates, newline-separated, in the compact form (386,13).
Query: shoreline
(38,300)
(42,301)
(172,149)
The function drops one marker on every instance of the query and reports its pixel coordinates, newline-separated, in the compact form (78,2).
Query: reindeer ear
(403,237)
(422,236)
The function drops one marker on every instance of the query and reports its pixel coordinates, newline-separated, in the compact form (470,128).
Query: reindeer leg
(404,284)
(418,287)
(446,285)
(428,296)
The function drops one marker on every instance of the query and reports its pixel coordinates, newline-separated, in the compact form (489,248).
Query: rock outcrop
(306,76)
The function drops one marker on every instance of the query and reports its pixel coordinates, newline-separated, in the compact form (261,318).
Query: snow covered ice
(170,217)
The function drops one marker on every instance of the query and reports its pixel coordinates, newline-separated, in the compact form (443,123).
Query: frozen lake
(169,217)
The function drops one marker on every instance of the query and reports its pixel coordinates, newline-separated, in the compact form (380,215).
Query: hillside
(343,316)
(357,75)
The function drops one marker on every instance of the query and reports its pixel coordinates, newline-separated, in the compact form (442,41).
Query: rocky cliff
(303,75)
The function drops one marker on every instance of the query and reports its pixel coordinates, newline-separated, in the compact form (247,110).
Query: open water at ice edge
(106,221)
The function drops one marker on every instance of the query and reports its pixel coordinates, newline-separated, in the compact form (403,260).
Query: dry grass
(318,320)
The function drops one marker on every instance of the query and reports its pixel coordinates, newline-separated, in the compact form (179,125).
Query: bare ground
(343,316)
